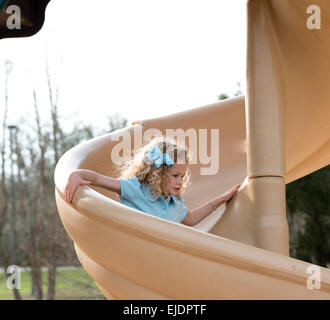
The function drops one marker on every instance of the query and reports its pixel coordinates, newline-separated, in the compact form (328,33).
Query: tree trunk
(36,226)
(54,217)
(4,196)
(51,280)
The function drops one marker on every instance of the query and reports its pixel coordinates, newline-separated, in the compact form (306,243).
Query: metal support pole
(12,131)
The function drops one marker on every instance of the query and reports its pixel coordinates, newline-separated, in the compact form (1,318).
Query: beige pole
(265,130)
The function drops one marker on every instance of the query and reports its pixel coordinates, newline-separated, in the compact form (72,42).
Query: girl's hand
(73,182)
(230,193)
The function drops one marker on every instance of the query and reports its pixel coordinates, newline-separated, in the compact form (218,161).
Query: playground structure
(276,134)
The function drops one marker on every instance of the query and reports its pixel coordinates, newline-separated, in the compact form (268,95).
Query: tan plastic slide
(276,134)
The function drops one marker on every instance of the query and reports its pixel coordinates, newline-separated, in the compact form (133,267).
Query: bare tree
(4,192)
(4,208)
(36,208)
(43,240)
(116,121)
(52,256)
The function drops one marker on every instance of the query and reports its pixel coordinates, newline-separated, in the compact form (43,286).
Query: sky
(141,59)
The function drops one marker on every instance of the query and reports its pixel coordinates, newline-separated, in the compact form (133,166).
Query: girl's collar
(148,194)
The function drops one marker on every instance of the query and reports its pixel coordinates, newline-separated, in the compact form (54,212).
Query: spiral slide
(277,133)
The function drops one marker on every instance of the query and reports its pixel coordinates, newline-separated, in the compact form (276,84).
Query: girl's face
(174,178)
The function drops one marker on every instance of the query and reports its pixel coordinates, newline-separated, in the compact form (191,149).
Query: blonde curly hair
(147,172)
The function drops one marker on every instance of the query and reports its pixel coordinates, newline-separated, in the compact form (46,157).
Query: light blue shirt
(138,196)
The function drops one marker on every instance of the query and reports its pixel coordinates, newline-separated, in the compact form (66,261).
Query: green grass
(73,284)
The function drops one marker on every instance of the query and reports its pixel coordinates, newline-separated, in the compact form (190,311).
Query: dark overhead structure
(21,18)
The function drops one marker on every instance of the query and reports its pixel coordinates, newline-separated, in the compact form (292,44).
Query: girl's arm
(84,177)
(196,215)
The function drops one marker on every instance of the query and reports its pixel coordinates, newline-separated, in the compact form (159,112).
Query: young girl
(153,182)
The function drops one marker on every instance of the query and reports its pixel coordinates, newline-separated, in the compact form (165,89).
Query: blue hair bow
(157,157)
